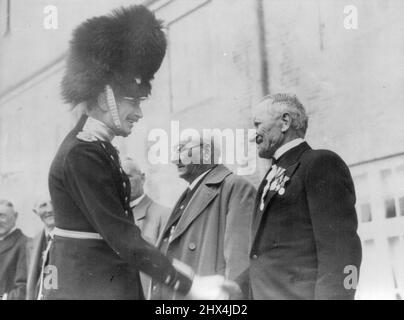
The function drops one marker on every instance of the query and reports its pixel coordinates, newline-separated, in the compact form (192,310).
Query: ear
(143,177)
(206,154)
(102,101)
(286,122)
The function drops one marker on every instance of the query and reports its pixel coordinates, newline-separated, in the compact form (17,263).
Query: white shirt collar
(98,129)
(10,232)
(49,232)
(194,183)
(287,146)
(135,202)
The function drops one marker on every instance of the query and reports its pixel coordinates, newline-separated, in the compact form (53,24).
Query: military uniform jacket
(305,235)
(90,193)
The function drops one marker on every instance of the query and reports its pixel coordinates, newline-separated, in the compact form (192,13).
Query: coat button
(192,246)
(255,257)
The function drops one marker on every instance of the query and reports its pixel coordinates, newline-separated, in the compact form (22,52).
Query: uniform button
(192,246)
(120,169)
(124,184)
(126,212)
(255,257)
(165,239)
(126,198)
(154,288)
(182,207)
(112,158)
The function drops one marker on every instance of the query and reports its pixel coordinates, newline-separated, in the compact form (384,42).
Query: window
(365,212)
(5,17)
(390,208)
(401,204)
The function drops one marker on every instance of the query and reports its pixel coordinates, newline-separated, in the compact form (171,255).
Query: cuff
(182,279)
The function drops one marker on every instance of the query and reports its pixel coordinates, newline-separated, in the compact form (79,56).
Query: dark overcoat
(13,265)
(305,241)
(38,247)
(213,233)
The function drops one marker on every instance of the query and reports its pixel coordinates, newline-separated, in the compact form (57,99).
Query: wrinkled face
(8,218)
(129,112)
(268,123)
(136,178)
(44,210)
(189,159)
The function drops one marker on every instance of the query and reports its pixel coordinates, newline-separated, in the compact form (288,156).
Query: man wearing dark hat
(97,251)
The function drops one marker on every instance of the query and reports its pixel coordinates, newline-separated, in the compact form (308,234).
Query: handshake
(213,288)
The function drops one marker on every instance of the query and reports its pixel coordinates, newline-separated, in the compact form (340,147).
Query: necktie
(270,176)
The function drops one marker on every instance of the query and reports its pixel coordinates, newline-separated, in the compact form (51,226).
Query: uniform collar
(98,129)
(195,182)
(287,146)
(135,202)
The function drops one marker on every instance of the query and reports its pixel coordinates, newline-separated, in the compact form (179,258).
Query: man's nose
(252,136)
(138,112)
(175,157)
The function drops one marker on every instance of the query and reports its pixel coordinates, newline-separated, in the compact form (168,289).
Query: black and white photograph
(222,150)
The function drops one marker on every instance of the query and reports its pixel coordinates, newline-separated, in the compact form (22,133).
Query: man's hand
(212,288)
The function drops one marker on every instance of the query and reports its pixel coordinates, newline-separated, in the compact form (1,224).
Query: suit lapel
(9,242)
(290,161)
(39,246)
(140,210)
(199,201)
(173,217)
(201,198)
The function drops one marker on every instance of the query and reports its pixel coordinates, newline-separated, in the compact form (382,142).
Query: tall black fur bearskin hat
(123,50)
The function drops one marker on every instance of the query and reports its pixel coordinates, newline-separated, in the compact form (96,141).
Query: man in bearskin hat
(97,251)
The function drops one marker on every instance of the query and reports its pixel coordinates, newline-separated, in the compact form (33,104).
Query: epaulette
(86,136)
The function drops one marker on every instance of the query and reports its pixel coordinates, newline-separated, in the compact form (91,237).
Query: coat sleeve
(331,202)
(238,226)
(18,292)
(90,180)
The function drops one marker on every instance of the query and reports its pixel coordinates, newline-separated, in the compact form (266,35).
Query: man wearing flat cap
(97,250)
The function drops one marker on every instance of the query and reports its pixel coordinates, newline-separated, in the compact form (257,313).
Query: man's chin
(125,133)
(182,172)
(49,222)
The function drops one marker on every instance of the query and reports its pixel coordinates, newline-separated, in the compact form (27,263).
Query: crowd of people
(291,239)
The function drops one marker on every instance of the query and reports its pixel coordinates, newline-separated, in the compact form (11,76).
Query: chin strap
(113,108)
